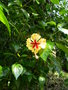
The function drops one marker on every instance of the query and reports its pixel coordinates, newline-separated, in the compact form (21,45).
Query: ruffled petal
(28,44)
(35,36)
(42,43)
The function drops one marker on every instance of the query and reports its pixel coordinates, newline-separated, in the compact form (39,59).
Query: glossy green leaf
(15,2)
(65,31)
(44,53)
(37,1)
(52,23)
(4,20)
(11,3)
(17,70)
(4,7)
(62,47)
(55,1)
(1,71)
(60,28)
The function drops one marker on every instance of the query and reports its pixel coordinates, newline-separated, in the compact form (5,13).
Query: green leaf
(43,24)
(44,53)
(63,11)
(42,82)
(1,8)
(52,23)
(64,74)
(4,71)
(24,55)
(4,7)
(19,2)
(37,1)
(56,64)
(11,23)
(65,31)
(55,1)
(42,1)
(15,2)
(26,14)
(1,71)
(62,47)
(59,26)
(17,70)
(29,75)
(34,14)
(4,20)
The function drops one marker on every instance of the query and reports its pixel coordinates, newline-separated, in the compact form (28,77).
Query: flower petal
(35,36)
(28,44)
(42,43)
(35,51)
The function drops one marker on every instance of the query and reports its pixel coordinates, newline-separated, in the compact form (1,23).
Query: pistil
(35,44)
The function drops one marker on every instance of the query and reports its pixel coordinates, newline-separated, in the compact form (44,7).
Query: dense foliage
(19,69)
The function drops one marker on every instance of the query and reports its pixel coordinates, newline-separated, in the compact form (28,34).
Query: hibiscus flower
(35,43)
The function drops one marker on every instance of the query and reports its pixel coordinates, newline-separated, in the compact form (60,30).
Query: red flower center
(35,44)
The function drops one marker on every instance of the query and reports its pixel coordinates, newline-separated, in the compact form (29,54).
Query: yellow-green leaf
(55,1)
(4,20)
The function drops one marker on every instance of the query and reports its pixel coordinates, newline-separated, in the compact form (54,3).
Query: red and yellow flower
(35,43)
